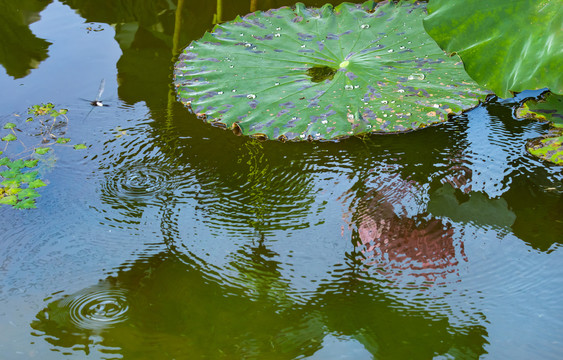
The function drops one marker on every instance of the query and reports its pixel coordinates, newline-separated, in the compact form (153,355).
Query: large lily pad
(309,73)
(506,45)
(550,109)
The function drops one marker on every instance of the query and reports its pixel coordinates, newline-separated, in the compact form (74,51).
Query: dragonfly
(97,102)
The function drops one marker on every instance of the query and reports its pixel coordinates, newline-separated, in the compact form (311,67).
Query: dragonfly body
(97,101)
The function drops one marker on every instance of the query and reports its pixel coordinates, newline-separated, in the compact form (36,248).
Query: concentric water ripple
(137,184)
(98,309)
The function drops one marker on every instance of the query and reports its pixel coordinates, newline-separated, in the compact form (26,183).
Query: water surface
(169,238)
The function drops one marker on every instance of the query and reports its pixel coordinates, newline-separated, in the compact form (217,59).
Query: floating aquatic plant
(506,45)
(550,109)
(18,180)
(323,73)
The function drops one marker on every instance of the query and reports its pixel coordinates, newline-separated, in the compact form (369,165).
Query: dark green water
(178,240)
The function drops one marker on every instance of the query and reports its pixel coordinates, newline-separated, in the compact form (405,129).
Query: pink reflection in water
(411,250)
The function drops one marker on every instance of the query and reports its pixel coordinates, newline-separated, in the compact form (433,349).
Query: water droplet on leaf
(364,26)
(416,77)
(251,96)
(348,87)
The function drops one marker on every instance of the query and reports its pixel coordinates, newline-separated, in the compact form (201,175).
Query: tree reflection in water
(163,308)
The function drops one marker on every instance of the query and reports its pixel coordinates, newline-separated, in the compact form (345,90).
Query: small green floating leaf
(28,193)
(42,150)
(28,177)
(310,73)
(9,200)
(10,183)
(30,163)
(10,174)
(29,119)
(36,184)
(16,164)
(4,161)
(506,45)
(63,140)
(25,204)
(80,146)
(9,125)
(13,190)
(9,137)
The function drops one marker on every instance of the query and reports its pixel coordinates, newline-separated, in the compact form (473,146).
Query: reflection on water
(203,319)
(444,242)
(21,50)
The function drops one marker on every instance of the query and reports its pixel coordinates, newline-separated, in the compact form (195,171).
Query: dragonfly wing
(100,90)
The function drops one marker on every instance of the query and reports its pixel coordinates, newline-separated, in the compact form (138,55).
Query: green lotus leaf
(549,148)
(550,109)
(4,161)
(36,184)
(8,200)
(506,45)
(42,150)
(9,125)
(80,146)
(9,137)
(310,73)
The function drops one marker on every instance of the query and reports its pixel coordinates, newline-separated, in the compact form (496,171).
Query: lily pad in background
(550,109)
(506,45)
(307,73)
